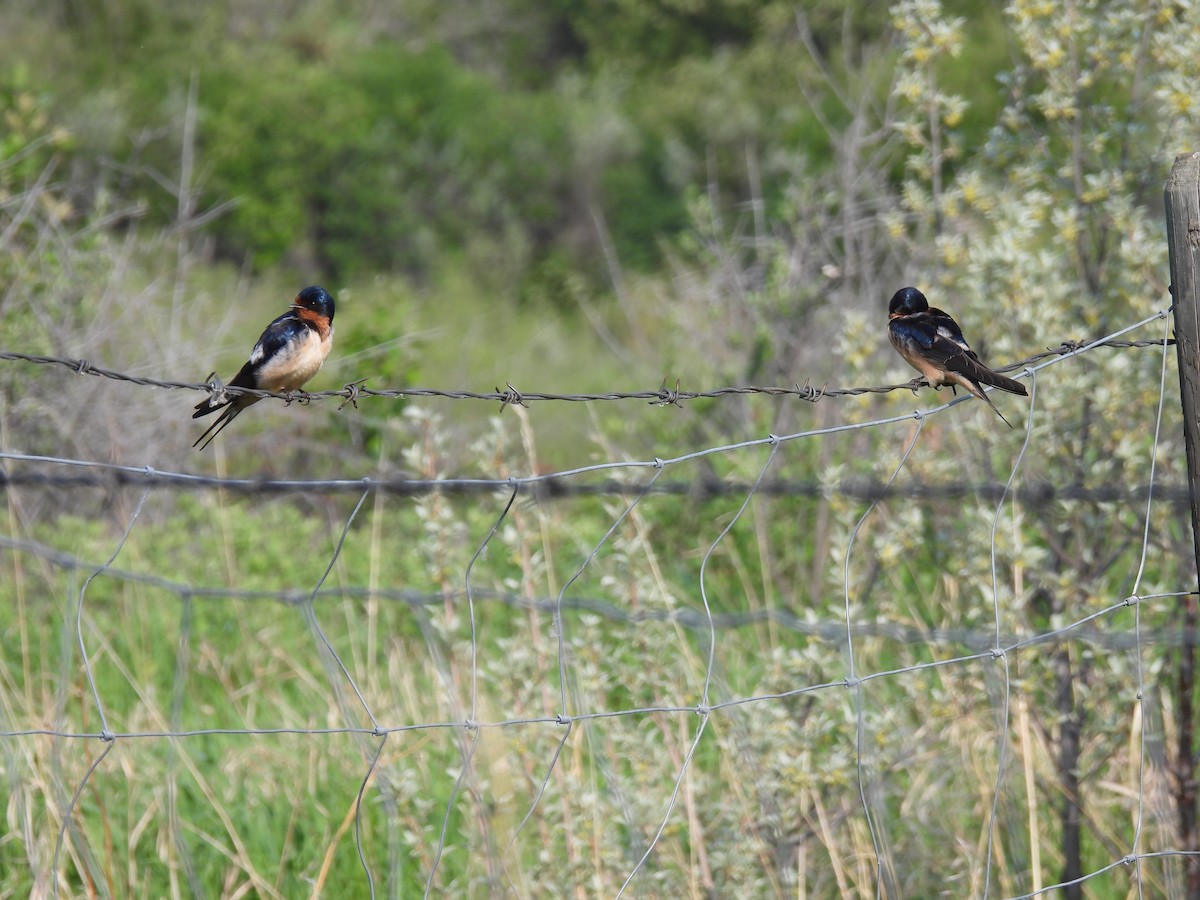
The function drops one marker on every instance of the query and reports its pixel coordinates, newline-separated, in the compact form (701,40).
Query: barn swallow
(933,344)
(289,352)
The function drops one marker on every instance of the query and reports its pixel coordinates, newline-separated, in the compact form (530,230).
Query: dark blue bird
(934,345)
(289,352)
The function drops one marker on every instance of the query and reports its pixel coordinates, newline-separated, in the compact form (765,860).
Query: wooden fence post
(1182,198)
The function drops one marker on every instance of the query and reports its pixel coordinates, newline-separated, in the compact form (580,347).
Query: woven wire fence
(558,710)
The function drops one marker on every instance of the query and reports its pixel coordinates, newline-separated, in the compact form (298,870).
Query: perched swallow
(290,351)
(933,344)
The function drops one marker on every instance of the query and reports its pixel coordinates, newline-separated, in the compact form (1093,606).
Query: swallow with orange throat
(933,344)
(289,353)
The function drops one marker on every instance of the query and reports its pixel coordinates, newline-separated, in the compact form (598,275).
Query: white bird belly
(289,371)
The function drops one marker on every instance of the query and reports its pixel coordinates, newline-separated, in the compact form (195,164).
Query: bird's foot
(297,396)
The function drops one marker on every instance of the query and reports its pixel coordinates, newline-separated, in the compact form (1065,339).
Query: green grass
(274,813)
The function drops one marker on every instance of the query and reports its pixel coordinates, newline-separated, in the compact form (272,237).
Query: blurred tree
(359,139)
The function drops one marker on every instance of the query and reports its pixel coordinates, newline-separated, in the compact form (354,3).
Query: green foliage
(1021,206)
(354,152)
(33,146)
(380,160)
(660,34)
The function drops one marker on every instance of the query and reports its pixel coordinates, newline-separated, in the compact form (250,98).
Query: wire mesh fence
(572,699)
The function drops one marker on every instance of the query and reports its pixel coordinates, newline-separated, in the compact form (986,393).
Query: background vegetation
(589,196)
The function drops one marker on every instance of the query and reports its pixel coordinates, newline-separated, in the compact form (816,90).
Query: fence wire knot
(563,719)
(807,392)
(352,391)
(703,709)
(295,597)
(82,367)
(107,736)
(667,396)
(998,653)
(1129,859)
(510,397)
(1068,346)
(216,390)
(851,682)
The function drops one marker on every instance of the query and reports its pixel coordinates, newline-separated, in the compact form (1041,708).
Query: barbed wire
(354,391)
(657,463)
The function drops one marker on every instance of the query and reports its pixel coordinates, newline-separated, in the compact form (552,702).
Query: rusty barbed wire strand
(354,391)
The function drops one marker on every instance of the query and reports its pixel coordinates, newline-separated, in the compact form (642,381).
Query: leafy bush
(379,161)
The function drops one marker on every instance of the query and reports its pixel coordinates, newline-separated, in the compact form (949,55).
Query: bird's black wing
(942,342)
(921,333)
(272,341)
